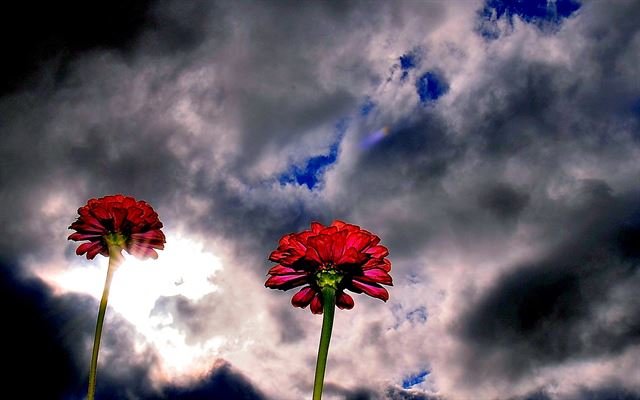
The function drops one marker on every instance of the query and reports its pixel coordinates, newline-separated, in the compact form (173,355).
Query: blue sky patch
(538,12)
(367,107)
(430,86)
(635,107)
(415,379)
(315,167)
(408,61)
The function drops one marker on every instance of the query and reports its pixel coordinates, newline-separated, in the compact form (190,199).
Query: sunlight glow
(183,268)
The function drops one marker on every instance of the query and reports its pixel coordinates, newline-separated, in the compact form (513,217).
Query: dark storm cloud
(602,393)
(47,351)
(224,383)
(53,34)
(554,309)
(503,200)
(395,393)
(47,344)
(350,394)
(607,393)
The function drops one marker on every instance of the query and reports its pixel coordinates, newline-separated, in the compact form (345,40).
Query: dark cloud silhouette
(50,344)
(503,201)
(48,350)
(224,383)
(602,393)
(54,34)
(550,310)
(395,393)
(35,341)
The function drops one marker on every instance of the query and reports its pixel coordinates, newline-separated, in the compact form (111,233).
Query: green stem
(329,307)
(115,258)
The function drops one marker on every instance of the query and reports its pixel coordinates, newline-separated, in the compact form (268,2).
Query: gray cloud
(560,307)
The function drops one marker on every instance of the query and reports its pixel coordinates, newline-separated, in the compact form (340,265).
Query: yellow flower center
(328,278)
(115,239)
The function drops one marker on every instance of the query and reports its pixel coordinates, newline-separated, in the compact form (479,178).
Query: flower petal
(376,275)
(352,257)
(372,289)
(341,225)
(119,216)
(84,247)
(359,240)
(378,263)
(153,238)
(149,236)
(279,255)
(101,213)
(283,270)
(87,222)
(303,297)
(316,304)
(329,230)
(285,282)
(91,248)
(339,245)
(84,236)
(316,227)
(322,244)
(313,256)
(377,251)
(344,301)
(141,251)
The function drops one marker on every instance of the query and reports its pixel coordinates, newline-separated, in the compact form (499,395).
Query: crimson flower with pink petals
(121,220)
(341,255)
(112,224)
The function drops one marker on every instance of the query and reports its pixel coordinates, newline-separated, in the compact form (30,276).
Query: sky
(494,146)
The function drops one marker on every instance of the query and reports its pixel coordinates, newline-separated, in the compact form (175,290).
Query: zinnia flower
(112,224)
(118,220)
(340,255)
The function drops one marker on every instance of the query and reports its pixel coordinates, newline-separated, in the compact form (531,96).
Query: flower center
(329,277)
(115,239)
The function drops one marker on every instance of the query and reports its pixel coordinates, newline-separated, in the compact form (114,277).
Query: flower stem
(115,258)
(329,306)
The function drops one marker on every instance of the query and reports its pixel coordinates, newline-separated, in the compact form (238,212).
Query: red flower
(340,255)
(118,220)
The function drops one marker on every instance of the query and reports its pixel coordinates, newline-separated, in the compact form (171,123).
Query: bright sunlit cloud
(183,268)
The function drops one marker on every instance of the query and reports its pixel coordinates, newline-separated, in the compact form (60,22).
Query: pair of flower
(353,253)
(326,260)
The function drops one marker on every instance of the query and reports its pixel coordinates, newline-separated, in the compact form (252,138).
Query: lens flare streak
(373,138)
